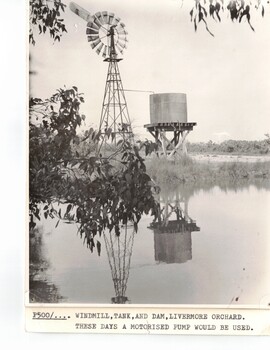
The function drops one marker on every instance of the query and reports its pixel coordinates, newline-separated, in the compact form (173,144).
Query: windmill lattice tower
(108,36)
(119,251)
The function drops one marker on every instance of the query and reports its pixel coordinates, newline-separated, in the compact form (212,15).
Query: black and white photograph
(149,145)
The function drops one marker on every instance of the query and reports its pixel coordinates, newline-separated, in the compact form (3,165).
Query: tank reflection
(172,232)
(119,251)
(172,240)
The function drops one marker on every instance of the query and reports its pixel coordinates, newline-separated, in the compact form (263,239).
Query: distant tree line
(232,146)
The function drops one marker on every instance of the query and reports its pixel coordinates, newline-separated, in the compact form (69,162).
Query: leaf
(119,142)
(191,15)
(57,223)
(98,247)
(32,225)
(92,160)
(207,28)
(200,16)
(195,25)
(128,178)
(211,10)
(68,208)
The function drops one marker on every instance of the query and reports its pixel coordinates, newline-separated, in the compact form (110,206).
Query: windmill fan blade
(105,16)
(99,18)
(95,44)
(94,25)
(98,50)
(92,38)
(121,51)
(90,31)
(116,20)
(122,39)
(104,54)
(120,48)
(122,32)
(92,28)
(111,18)
(79,11)
(123,46)
(122,36)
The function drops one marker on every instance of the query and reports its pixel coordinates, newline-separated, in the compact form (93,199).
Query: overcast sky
(226,77)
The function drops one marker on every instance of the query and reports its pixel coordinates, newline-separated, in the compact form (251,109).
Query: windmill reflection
(119,251)
(172,232)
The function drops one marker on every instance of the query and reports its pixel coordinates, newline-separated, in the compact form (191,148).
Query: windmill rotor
(106,34)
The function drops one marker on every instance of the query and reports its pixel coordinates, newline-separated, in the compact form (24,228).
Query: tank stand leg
(163,142)
(180,143)
(184,144)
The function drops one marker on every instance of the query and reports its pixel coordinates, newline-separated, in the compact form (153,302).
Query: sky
(226,77)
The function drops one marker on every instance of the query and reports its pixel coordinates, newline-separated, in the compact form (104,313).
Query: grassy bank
(187,170)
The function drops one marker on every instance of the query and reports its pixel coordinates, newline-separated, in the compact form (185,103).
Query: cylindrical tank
(168,107)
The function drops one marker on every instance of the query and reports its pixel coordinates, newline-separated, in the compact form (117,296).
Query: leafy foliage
(50,136)
(46,16)
(237,9)
(99,193)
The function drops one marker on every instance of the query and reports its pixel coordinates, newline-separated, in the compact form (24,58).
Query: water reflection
(169,263)
(172,240)
(172,233)
(41,290)
(119,251)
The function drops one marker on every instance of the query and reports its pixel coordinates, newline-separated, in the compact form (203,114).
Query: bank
(208,169)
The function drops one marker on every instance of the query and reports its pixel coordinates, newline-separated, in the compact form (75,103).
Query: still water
(212,247)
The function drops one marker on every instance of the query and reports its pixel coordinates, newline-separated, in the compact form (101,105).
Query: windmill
(107,35)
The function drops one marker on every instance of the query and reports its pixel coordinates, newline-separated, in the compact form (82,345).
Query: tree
(46,16)
(238,11)
(99,193)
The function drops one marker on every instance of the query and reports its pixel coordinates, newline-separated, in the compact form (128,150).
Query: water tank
(168,107)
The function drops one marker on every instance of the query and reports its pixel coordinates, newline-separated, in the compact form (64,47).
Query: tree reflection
(41,290)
